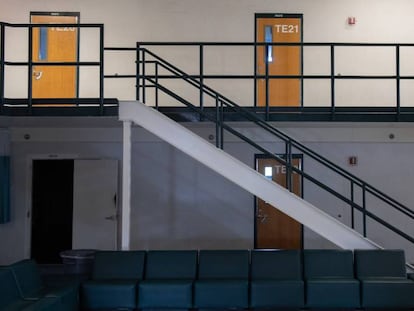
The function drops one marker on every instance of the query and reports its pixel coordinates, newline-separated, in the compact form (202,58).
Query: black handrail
(290,143)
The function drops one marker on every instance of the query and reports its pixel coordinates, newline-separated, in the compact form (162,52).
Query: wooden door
(54,44)
(274,229)
(279,60)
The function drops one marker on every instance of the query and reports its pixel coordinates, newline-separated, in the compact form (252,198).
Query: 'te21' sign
(287,28)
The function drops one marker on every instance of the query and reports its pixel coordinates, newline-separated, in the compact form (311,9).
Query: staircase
(242,175)
(361,197)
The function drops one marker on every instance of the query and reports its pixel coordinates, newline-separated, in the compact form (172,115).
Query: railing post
(30,70)
(289,165)
(218,136)
(143,78)
(156,85)
(333,80)
(267,87)
(364,207)
(398,80)
(137,70)
(352,206)
(2,60)
(101,70)
(221,125)
(201,72)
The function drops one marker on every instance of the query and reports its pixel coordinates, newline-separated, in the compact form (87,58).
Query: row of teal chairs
(221,279)
(21,288)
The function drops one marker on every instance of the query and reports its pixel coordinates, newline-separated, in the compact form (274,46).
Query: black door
(52,209)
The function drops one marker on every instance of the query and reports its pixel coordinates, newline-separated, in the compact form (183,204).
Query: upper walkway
(364,82)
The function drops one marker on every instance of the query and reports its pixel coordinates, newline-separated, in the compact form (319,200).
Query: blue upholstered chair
(276,279)
(223,279)
(169,277)
(115,275)
(383,279)
(11,299)
(329,279)
(31,287)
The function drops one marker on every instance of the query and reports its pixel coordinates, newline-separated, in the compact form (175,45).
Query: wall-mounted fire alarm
(353,160)
(351,20)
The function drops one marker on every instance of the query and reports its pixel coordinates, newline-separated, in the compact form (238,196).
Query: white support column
(126,186)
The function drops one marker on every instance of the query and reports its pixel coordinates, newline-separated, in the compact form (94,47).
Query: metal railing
(332,76)
(29,63)
(359,193)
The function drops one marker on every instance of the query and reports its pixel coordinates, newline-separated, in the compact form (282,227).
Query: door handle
(112,217)
(37,74)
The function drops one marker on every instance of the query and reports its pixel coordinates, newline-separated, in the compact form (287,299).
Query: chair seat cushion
(165,294)
(217,293)
(387,293)
(277,293)
(333,293)
(109,294)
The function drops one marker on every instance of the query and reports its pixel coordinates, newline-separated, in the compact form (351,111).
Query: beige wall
(128,21)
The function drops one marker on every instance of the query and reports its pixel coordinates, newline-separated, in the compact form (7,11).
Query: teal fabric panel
(277,294)
(336,293)
(9,292)
(380,263)
(4,189)
(221,294)
(328,263)
(223,264)
(118,265)
(46,304)
(171,265)
(177,294)
(109,294)
(387,293)
(275,264)
(28,278)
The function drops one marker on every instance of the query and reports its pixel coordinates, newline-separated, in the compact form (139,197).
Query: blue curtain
(4,189)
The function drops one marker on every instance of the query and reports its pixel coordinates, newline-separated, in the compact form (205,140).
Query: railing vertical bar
(364,207)
(217,122)
(221,125)
(77,60)
(352,206)
(137,70)
(201,71)
(398,80)
(101,70)
(332,80)
(255,74)
(156,86)
(2,69)
(267,87)
(289,166)
(143,78)
(30,70)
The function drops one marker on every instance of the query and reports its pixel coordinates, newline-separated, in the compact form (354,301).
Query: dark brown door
(274,229)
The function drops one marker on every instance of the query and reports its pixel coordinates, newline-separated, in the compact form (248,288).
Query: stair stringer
(243,175)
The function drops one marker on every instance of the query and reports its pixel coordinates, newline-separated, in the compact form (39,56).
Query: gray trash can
(78,261)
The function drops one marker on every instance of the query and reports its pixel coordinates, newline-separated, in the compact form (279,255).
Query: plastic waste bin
(78,261)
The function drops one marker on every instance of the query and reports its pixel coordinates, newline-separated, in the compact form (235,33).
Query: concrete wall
(178,203)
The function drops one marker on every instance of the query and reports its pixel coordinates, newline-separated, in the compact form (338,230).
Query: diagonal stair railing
(360,196)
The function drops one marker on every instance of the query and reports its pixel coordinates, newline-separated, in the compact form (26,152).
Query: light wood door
(274,229)
(54,44)
(280,60)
